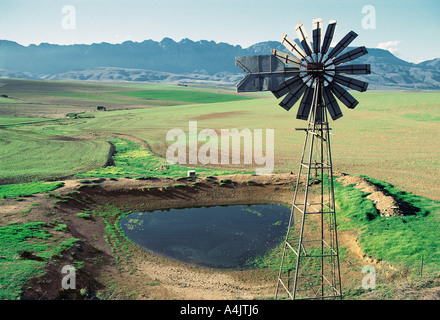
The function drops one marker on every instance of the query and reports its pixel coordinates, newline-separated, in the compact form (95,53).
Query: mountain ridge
(184,61)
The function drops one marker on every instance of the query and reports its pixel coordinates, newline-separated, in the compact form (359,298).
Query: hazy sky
(408,28)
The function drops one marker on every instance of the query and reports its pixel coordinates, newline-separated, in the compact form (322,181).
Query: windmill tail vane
(305,68)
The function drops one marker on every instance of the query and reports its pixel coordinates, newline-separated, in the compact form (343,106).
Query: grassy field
(383,138)
(29,155)
(390,136)
(19,121)
(183,96)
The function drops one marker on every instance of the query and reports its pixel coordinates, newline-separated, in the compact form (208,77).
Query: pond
(224,237)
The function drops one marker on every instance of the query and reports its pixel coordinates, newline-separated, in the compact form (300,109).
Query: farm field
(390,136)
(84,133)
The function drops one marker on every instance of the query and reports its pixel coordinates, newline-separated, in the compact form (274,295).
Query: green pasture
(14,121)
(35,155)
(389,136)
(8,100)
(183,96)
(382,138)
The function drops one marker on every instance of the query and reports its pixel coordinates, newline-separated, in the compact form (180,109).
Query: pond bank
(114,268)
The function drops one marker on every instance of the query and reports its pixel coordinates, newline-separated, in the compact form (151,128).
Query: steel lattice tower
(311,245)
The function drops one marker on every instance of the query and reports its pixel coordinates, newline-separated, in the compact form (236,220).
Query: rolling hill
(183,61)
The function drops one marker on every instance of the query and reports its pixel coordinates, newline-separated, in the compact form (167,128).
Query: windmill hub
(315,69)
(296,74)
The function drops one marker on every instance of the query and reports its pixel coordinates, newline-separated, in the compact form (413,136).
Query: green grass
(8,100)
(134,161)
(400,240)
(378,138)
(27,189)
(16,240)
(83,215)
(114,236)
(183,96)
(36,155)
(14,121)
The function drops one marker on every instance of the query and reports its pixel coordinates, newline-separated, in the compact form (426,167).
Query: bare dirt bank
(160,278)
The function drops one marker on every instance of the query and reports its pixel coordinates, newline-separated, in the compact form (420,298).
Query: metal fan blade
(331,104)
(342,44)
(287,86)
(354,69)
(317,25)
(350,55)
(328,37)
(293,97)
(303,38)
(293,47)
(306,103)
(286,58)
(351,83)
(343,95)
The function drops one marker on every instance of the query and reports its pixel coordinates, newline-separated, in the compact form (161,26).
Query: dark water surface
(223,237)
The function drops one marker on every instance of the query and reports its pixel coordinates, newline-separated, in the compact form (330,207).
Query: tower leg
(310,250)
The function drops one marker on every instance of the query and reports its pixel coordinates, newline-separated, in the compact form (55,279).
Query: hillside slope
(183,61)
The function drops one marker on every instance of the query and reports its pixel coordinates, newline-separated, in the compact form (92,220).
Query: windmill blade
(351,83)
(293,47)
(343,95)
(350,55)
(303,38)
(354,69)
(286,58)
(306,103)
(331,104)
(293,97)
(328,37)
(342,44)
(287,86)
(317,25)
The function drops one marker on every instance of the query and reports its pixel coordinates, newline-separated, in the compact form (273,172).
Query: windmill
(310,266)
